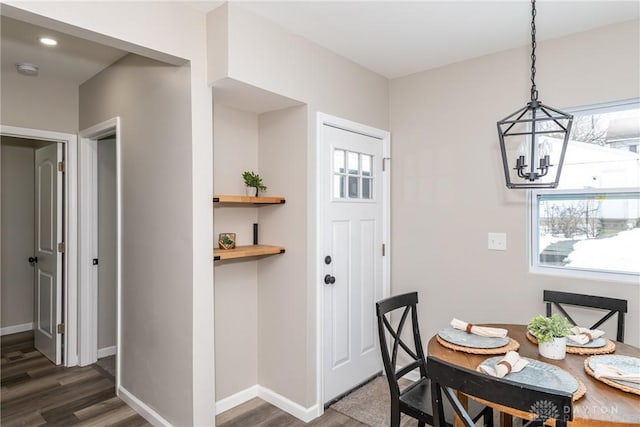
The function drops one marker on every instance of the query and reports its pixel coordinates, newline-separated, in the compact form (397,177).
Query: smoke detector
(27,69)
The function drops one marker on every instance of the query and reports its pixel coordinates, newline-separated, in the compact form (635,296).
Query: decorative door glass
(352,175)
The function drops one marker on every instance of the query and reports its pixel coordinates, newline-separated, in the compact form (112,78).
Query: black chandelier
(534,137)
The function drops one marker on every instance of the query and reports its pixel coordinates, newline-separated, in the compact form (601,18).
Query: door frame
(88,241)
(70,231)
(321,189)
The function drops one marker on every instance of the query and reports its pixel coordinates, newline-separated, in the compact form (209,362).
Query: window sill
(630,278)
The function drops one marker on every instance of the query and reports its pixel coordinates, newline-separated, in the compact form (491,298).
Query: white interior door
(48,233)
(353,279)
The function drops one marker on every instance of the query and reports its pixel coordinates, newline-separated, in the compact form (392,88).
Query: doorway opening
(38,243)
(99,246)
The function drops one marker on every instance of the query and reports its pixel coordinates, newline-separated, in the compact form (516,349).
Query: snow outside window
(590,225)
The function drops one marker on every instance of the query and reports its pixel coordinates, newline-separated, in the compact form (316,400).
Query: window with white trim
(352,175)
(590,225)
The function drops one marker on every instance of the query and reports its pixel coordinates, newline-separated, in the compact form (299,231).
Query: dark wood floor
(35,392)
(258,413)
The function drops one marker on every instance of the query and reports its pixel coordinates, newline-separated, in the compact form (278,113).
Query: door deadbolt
(329,279)
(327,260)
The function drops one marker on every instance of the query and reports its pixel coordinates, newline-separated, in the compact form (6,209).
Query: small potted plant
(551,333)
(254,183)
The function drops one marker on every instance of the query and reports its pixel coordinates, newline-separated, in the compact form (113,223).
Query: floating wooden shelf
(233,200)
(246,252)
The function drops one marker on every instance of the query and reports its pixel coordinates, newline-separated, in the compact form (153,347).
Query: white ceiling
(72,61)
(392,38)
(397,38)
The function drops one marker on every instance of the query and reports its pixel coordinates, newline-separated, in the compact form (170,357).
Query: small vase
(555,349)
(251,191)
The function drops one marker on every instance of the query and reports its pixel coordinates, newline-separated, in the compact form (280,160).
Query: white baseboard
(287,405)
(141,408)
(236,399)
(106,351)
(7,330)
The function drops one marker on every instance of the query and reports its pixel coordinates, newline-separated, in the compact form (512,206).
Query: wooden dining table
(601,405)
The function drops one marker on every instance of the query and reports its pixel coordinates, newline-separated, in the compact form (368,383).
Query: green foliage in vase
(547,328)
(226,240)
(253,180)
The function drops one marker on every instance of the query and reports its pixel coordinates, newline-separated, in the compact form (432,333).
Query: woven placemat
(512,345)
(582,389)
(609,347)
(607,381)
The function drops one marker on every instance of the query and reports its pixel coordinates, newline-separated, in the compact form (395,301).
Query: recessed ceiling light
(27,69)
(48,41)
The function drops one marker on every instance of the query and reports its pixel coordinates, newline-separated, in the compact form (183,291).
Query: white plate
(626,363)
(597,343)
(540,374)
(465,339)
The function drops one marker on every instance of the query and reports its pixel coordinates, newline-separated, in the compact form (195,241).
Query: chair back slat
(447,378)
(397,340)
(387,332)
(613,305)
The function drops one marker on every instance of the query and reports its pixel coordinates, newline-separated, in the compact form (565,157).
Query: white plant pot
(251,191)
(555,349)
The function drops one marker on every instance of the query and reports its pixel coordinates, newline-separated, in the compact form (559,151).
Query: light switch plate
(497,241)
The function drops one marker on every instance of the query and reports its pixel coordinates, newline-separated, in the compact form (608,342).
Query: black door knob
(327,260)
(33,260)
(329,279)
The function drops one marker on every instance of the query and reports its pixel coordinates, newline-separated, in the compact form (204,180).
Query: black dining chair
(447,379)
(415,399)
(614,305)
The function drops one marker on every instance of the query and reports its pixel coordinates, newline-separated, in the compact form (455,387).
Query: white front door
(48,233)
(353,277)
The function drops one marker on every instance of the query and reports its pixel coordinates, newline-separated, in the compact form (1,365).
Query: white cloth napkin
(613,373)
(584,335)
(482,331)
(511,362)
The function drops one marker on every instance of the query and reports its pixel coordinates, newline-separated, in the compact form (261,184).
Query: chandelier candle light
(535,137)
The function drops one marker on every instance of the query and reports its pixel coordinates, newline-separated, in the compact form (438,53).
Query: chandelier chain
(534,90)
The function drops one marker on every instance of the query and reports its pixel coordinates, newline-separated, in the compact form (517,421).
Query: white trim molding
(236,399)
(277,400)
(142,408)
(8,330)
(287,405)
(107,351)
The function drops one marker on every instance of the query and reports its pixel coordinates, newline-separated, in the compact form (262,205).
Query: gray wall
(448,187)
(107,303)
(153,102)
(236,293)
(17,234)
(39,103)
(287,283)
(281,294)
